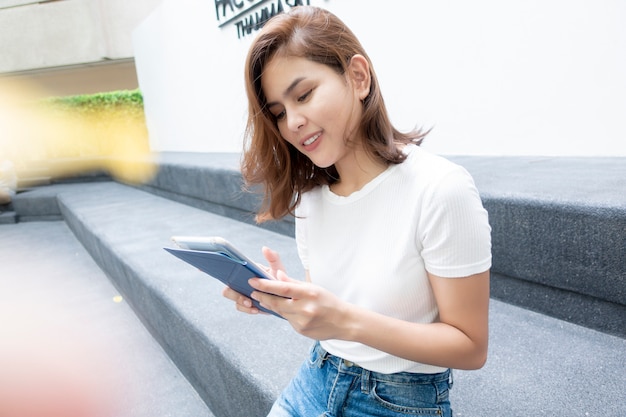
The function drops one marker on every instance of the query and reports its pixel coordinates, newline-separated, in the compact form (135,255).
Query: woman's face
(316,109)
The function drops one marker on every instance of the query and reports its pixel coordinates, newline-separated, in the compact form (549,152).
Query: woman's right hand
(243,303)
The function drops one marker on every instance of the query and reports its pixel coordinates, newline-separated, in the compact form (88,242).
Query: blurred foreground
(38,136)
(50,365)
(70,345)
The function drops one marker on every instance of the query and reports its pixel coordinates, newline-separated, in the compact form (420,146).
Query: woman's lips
(311,142)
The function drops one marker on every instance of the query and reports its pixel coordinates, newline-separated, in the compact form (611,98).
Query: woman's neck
(356,172)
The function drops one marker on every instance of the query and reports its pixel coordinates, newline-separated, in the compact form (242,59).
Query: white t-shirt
(373,247)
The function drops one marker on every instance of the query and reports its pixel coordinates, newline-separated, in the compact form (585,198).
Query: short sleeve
(454,227)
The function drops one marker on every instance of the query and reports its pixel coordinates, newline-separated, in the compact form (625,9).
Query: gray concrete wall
(71,47)
(120,74)
(118,19)
(47,35)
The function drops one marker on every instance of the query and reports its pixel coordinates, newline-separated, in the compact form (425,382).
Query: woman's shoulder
(437,179)
(424,164)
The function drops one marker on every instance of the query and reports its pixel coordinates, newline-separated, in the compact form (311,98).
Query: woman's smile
(312,139)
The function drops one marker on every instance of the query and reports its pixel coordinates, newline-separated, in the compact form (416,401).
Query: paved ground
(537,365)
(67,334)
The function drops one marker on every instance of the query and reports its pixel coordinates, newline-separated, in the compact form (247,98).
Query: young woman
(394,240)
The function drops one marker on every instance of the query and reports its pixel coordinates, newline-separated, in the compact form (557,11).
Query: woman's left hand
(311,310)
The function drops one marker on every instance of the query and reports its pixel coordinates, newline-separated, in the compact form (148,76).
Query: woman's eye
(280,115)
(305,95)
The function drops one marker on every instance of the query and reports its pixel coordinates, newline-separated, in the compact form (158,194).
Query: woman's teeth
(311,140)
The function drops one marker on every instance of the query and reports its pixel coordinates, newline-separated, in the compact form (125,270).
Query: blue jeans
(328,386)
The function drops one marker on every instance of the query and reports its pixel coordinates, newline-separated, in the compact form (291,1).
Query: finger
(239,299)
(284,287)
(248,310)
(230,294)
(266,300)
(282,276)
(273,258)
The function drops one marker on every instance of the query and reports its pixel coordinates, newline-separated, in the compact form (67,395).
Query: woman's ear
(359,71)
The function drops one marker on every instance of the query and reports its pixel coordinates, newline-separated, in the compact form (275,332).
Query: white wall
(190,73)
(521,77)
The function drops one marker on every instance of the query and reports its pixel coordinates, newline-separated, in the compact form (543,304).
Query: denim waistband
(321,357)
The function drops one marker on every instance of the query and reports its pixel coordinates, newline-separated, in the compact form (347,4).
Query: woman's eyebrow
(288,90)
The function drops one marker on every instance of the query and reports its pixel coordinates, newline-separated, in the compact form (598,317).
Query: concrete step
(538,365)
(59,313)
(7,217)
(559,235)
(220,351)
(209,181)
(38,204)
(558,241)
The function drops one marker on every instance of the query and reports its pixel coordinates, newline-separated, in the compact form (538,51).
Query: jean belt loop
(451,379)
(322,358)
(365,381)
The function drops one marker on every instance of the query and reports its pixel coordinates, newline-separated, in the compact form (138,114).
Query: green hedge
(123,103)
(109,124)
(83,133)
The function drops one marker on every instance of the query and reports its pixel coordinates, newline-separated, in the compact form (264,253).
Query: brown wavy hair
(268,160)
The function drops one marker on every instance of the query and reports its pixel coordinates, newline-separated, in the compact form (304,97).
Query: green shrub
(127,103)
(107,130)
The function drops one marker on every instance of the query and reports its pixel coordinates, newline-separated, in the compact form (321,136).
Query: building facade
(490,77)
(67,47)
(521,77)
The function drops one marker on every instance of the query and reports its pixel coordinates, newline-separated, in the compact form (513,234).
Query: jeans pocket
(422,399)
(317,355)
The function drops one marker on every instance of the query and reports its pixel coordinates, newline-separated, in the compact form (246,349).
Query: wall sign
(250,15)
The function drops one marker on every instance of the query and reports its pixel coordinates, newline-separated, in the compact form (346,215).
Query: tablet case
(232,272)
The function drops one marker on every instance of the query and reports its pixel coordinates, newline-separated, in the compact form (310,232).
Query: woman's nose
(295,121)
